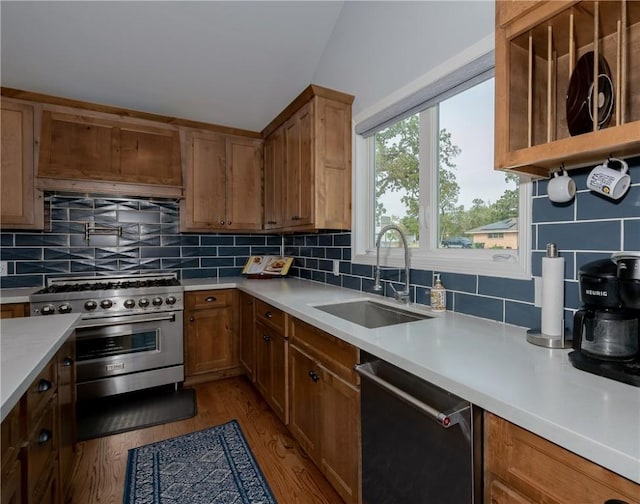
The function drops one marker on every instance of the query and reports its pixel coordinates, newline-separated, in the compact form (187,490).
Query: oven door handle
(127,319)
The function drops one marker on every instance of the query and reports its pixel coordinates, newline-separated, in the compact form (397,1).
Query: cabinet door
(149,155)
(304,412)
(14,310)
(340,435)
(11,490)
(209,340)
(279,382)
(263,359)
(332,165)
(274,180)
(243,183)
(20,204)
(204,205)
(247,335)
(299,184)
(67,413)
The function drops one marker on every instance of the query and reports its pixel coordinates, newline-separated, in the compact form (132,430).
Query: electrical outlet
(4,268)
(336,267)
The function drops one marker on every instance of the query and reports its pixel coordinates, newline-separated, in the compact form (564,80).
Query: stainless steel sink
(370,314)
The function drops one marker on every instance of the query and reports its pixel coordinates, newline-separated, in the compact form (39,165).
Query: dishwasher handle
(446,420)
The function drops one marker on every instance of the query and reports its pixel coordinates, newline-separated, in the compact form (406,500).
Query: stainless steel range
(130,336)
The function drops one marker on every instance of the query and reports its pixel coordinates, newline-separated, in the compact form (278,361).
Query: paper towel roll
(552,296)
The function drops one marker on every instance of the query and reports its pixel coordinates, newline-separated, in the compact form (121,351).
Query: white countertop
(485,362)
(27,345)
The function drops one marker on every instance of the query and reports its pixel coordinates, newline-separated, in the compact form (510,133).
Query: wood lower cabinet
(21,205)
(247,335)
(14,310)
(223,183)
(39,436)
(272,350)
(324,405)
(521,467)
(13,438)
(211,346)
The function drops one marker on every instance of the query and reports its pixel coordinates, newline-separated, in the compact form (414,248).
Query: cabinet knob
(44,385)
(314,376)
(266,337)
(44,436)
(229,223)
(249,303)
(268,314)
(209,299)
(222,223)
(191,319)
(272,222)
(68,361)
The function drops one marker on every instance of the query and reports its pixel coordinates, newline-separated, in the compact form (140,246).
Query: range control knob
(171,300)
(129,303)
(64,308)
(106,304)
(143,302)
(157,301)
(90,305)
(48,310)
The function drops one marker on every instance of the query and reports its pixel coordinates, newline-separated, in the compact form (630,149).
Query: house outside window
(431,173)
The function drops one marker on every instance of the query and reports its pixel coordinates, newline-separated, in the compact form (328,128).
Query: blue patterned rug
(212,466)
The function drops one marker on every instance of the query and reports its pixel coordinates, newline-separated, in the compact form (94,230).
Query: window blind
(451,84)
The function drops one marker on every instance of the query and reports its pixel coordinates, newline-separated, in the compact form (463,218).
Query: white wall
(378,47)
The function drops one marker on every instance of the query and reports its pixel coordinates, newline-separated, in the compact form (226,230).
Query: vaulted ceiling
(233,63)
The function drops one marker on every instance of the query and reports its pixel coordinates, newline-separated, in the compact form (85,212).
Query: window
(431,173)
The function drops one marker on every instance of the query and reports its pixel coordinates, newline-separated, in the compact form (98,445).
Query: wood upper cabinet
(538,47)
(21,205)
(309,153)
(210,333)
(100,151)
(324,405)
(522,468)
(223,190)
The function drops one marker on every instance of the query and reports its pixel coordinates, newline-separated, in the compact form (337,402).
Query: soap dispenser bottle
(438,295)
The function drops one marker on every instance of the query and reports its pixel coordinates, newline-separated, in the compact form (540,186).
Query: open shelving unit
(537,50)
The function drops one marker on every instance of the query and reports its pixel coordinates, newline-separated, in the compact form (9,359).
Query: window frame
(490,262)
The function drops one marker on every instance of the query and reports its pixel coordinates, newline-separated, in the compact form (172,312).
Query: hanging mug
(561,188)
(612,183)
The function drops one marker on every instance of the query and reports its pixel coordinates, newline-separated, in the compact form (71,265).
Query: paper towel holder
(535,336)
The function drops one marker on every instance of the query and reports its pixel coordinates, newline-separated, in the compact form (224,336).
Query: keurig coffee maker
(606,330)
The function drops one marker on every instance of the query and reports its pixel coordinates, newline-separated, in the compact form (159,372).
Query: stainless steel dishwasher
(420,444)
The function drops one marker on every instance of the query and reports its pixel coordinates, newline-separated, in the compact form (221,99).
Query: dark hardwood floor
(101,463)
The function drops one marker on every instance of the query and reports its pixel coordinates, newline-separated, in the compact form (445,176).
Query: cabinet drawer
(270,315)
(41,450)
(40,393)
(337,355)
(209,299)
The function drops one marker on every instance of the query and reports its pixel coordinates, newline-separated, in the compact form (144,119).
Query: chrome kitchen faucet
(403,295)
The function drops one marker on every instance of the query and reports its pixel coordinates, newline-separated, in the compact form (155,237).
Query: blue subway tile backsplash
(588,228)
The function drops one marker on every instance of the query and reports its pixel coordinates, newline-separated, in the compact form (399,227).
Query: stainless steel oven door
(132,344)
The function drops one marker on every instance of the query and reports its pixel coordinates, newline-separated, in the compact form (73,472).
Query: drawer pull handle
(268,314)
(314,376)
(68,361)
(44,436)
(266,337)
(44,385)
(209,299)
